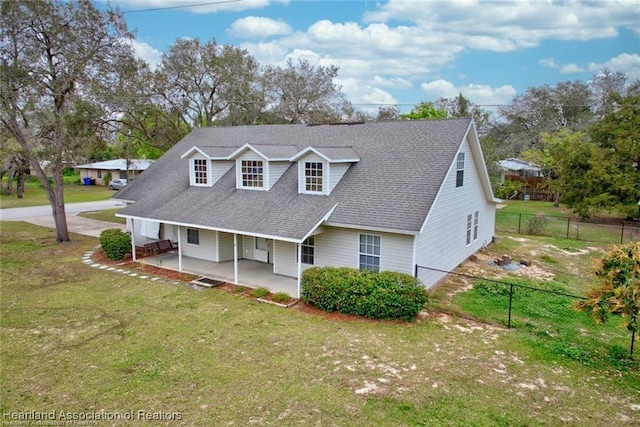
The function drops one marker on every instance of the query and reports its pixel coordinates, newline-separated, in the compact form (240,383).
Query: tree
(425,111)
(543,110)
(200,82)
(52,54)
(302,93)
(619,291)
(605,86)
(388,113)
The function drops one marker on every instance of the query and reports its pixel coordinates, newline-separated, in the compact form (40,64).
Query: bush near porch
(384,295)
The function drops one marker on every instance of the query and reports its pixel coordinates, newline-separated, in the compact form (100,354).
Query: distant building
(118,168)
(519,168)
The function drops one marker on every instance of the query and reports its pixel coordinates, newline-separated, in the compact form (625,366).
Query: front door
(262,251)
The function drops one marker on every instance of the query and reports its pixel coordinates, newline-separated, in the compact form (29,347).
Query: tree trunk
(55,194)
(8,188)
(20,185)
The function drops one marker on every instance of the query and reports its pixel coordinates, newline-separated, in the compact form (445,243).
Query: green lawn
(80,339)
(34,194)
(105,215)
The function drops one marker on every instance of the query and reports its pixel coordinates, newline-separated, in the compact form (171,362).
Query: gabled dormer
(207,164)
(320,169)
(258,167)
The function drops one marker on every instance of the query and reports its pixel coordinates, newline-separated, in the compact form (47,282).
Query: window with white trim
(200,172)
(370,252)
(252,173)
(308,251)
(313,176)
(469,224)
(475,225)
(460,170)
(193,236)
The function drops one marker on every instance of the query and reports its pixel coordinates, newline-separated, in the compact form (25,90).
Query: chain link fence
(568,228)
(548,315)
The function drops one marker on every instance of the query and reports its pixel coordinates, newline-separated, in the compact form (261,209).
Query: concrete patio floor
(253,274)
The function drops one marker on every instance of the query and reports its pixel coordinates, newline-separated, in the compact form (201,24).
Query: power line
(184,6)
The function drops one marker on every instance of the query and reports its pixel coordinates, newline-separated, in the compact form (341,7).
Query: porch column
(235,258)
(299,251)
(179,248)
(133,240)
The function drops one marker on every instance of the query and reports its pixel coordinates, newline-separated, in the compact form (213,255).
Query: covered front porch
(253,274)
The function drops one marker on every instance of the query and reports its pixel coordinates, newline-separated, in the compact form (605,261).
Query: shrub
(537,224)
(115,243)
(385,295)
(282,297)
(260,292)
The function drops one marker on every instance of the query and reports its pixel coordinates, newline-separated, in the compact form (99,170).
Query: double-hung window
(460,170)
(475,225)
(370,252)
(252,173)
(308,249)
(313,177)
(469,223)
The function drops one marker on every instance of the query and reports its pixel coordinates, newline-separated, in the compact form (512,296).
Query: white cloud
(508,25)
(478,94)
(629,64)
(258,27)
(393,82)
(365,98)
(548,62)
(193,6)
(571,69)
(146,52)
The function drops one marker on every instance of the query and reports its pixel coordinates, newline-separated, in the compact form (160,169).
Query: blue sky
(406,51)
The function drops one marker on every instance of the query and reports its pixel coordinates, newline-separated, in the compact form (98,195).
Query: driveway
(41,215)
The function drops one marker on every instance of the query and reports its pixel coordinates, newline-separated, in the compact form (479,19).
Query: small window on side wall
(193,236)
(370,252)
(460,170)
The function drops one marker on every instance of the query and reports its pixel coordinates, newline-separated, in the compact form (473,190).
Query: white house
(379,196)
(117,168)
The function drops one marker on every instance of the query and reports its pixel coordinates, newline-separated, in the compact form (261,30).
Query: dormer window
(200,172)
(313,177)
(252,173)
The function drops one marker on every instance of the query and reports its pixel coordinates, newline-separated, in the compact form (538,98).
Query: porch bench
(159,247)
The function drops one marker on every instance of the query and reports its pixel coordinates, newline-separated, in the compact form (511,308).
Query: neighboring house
(118,168)
(517,168)
(378,196)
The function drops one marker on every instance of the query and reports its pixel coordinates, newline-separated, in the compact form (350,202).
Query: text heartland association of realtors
(101,415)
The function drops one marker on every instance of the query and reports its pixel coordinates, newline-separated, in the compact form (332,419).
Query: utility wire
(184,6)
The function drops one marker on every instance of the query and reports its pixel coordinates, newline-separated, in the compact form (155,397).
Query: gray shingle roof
(402,165)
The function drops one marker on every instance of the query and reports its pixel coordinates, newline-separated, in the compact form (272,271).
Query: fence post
(622,234)
(568,226)
(519,222)
(510,302)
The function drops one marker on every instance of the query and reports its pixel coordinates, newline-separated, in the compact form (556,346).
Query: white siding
(205,250)
(219,168)
(340,247)
(169,232)
(284,259)
(442,244)
(248,245)
(225,247)
(276,170)
(336,172)
(138,225)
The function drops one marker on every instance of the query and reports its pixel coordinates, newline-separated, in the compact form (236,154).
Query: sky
(403,52)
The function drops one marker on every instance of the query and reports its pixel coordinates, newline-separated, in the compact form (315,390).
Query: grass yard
(79,339)
(108,215)
(34,194)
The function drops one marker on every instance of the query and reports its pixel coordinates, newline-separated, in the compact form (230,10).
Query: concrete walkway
(41,215)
